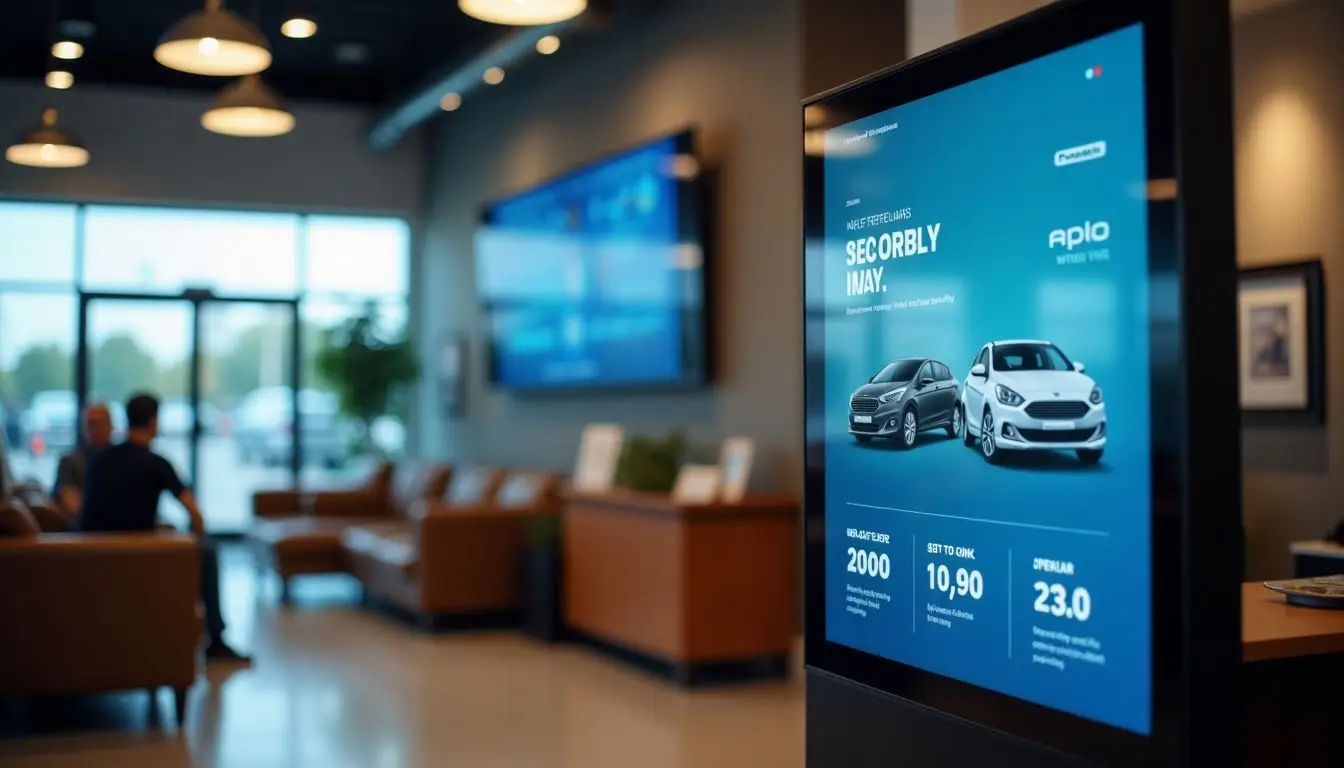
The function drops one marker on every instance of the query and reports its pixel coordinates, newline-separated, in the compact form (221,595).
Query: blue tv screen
(596,279)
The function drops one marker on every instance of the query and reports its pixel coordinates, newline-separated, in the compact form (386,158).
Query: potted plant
(366,367)
(651,464)
(542,578)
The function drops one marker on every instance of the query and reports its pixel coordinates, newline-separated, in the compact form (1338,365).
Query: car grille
(865,427)
(1051,409)
(1056,435)
(863,404)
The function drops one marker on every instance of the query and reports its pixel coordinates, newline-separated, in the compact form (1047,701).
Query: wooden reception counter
(687,586)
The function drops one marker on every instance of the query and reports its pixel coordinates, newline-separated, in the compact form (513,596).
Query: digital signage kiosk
(1022,486)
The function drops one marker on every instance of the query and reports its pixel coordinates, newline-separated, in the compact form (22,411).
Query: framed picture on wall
(1281,322)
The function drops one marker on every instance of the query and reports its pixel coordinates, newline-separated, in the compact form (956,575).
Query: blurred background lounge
(235,242)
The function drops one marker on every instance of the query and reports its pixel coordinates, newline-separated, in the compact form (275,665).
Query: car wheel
(954,428)
(966,436)
(864,438)
(909,429)
(1089,457)
(989,447)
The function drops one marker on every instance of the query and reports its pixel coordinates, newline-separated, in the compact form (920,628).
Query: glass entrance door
(224,372)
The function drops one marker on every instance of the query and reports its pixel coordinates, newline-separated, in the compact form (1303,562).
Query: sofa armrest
(359,503)
(270,504)
(95,612)
(471,557)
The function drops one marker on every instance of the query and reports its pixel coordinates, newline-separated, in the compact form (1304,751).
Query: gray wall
(1290,193)
(149,146)
(732,70)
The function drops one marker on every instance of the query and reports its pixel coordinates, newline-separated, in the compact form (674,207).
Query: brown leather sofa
(456,555)
(90,613)
(295,533)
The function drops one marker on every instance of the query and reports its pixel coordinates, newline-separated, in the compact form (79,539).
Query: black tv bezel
(1196,547)
(697,354)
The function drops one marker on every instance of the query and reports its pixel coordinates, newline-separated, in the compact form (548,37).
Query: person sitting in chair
(121,494)
(68,491)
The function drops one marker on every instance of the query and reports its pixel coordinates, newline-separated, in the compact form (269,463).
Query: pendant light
(523,13)
(248,108)
(214,42)
(48,146)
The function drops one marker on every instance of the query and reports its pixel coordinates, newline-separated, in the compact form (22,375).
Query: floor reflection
(332,687)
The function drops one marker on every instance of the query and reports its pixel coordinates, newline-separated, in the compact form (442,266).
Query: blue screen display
(594,280)
(986,380)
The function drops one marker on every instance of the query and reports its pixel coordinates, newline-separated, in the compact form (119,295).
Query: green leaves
(365,366)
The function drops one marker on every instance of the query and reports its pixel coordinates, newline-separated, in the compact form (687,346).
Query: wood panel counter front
(689,585)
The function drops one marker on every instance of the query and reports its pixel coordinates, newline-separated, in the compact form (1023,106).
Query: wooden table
(1293,674)
(1271,629)
(688,587)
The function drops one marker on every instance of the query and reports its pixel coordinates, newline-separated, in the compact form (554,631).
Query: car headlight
(1007,396)
(1095,397)
(893,395)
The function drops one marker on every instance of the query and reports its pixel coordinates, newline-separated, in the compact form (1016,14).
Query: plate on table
(1319,592)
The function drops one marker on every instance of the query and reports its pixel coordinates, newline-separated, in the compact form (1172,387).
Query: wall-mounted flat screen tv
(596,280)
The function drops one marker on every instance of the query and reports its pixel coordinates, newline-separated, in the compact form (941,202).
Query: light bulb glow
(67,50)
(299,28)
(59,79)
(450,102)
(47,155)
(548,45)
(493,76)
(208,46)
(523,12)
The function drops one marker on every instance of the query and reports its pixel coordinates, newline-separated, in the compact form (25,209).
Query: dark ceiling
(403,41)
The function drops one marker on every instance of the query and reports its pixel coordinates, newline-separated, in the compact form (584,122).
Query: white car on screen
(1026,395)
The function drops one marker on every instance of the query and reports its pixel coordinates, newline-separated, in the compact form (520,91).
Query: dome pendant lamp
(248,108)
(47,146)
(523,13)
(214,42)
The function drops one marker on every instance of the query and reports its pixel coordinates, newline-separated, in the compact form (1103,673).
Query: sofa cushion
(523,489)
(472,486)
(390,542)
(294,534)
(414,481)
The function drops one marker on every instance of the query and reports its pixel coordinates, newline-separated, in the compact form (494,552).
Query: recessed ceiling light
(450,102)
(493,76)
(548,45)
(523,12)
(67,49)
(299,28)
(60,79)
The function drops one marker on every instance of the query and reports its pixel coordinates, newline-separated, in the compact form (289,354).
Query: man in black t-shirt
(121,494)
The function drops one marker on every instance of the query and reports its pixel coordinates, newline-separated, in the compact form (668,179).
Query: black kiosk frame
(866,710)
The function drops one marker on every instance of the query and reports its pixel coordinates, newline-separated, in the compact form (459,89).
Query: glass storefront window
(357,255)
(37,243)
(168,249)
(37,353)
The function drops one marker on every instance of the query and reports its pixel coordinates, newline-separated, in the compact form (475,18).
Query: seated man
(69,489)
(121,493)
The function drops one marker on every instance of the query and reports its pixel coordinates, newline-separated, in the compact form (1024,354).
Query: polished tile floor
(332,687)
